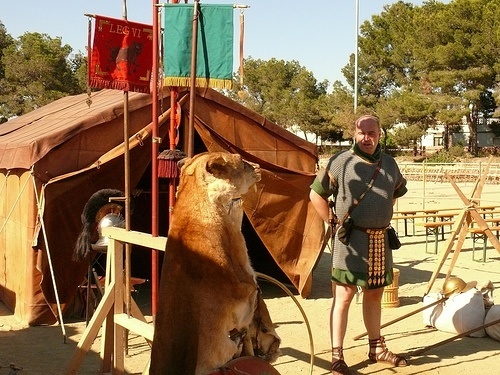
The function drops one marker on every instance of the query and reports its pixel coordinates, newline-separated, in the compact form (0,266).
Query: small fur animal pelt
(94,210)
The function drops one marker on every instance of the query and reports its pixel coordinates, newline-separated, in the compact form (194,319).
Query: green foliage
(441,156)
(407,136)
(5,41)
(451,155)
(495,128)
(284,92)
(338,110)
(457,151)
(36,70)
(78,65)
(389,140)
(429,64)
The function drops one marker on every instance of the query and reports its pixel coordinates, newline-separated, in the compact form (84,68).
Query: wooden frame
(110,314)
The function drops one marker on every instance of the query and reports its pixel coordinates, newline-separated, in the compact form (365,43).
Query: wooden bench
(428,217)
(433,228)
(478,234)
(489,213)
(406,215)
(481,209)
(435,214)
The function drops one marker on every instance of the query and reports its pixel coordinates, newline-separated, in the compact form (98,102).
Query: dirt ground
(45,350)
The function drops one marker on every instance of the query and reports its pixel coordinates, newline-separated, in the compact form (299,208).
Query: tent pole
(126,160)
(173,126)
(192,95)
(49,258)
(154,163)
(126,156)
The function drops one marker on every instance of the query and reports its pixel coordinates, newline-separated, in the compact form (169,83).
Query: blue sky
(320,35)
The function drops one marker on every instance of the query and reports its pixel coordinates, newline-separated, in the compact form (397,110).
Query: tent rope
(15,203)
(42,223)
(306,321)
(5,181)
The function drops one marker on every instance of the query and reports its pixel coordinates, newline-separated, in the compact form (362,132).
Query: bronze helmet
(453,285)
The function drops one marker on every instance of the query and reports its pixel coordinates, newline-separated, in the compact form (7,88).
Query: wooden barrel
(390,297)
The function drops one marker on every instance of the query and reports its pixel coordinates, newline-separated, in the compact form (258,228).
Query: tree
(282,91)
(336,110)
(384,56)
(5,41)
(445,54)
(78,65)
(407,136)
(462,68)
(38,71)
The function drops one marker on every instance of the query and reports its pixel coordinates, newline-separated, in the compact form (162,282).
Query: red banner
(122,55)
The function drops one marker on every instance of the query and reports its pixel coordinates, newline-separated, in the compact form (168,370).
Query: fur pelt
(208,290)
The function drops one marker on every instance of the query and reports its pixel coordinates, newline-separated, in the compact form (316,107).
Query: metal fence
(460,172)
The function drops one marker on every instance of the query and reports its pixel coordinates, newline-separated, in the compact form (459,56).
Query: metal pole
(356,59)
(154,164)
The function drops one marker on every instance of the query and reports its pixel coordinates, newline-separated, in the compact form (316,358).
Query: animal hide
(209,298)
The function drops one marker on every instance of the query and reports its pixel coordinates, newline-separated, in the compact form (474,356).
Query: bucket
(390,296)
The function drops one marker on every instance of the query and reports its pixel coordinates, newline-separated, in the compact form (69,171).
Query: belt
(376,255)
(368,230)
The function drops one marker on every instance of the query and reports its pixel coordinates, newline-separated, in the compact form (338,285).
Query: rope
(14,205)
(5,181)
(40,215)
(287,291)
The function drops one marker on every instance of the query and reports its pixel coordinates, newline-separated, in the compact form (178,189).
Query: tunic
(346,178)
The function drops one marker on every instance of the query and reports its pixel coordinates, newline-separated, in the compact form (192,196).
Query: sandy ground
(45,350)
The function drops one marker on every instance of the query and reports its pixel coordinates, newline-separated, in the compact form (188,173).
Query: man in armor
(363,183)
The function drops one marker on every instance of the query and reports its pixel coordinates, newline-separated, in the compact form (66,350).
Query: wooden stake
(405,316)
(419,351)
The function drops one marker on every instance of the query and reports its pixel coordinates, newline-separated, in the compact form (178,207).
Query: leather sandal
(339,367)
(385,355)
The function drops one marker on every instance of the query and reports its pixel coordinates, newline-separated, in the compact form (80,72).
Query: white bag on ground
(460,313)
(430,314)
(493,314)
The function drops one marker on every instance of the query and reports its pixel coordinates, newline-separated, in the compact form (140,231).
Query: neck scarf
(375,157)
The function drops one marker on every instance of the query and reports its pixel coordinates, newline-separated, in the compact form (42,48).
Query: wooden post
(420,351)
(154,162)
(192,95)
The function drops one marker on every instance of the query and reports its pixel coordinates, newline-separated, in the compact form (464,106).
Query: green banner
(214,60)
